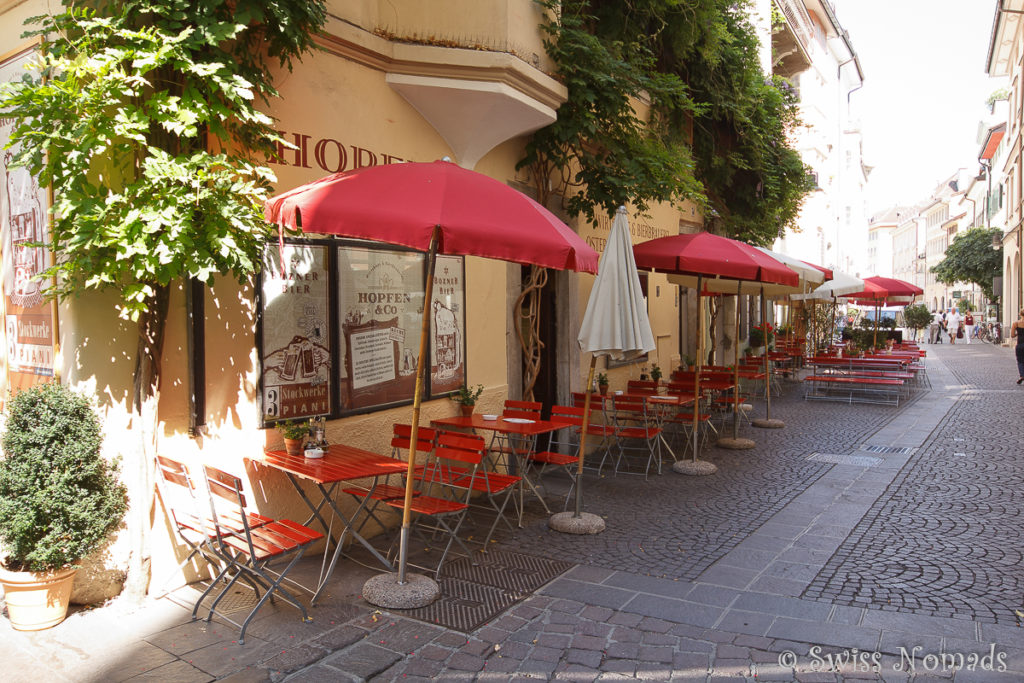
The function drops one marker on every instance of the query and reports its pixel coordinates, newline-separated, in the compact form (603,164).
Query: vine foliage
(667,102)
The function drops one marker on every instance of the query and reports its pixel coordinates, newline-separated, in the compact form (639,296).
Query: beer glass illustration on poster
(448,316)
(28,315)
(296,335)
(380,299)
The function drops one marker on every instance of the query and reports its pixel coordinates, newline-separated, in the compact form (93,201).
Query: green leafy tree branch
(717,131)
(971,258)
(143,119)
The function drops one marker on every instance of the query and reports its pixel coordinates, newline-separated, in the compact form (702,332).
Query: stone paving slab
(748,575)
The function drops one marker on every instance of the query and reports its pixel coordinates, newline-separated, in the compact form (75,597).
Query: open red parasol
(692,259)
(440,208)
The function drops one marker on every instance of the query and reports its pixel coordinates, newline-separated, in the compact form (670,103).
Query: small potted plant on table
(59,500)
(602,383)
(293,432)
(467,397)
(655,374)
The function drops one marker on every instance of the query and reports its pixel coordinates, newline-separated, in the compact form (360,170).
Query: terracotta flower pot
(467,409)
(603,388)
(293,446)
(37,600)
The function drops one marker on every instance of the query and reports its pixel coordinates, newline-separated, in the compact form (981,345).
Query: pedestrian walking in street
(953,325)
(943,327)
(934,328)
(1017,330)
(968,326)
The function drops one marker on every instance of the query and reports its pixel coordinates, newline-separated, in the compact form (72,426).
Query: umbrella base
(384,590)
(768,423)
(568,523)
(735,444)
(695,467)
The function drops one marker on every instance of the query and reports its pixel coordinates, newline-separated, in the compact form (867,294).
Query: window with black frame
(339,328)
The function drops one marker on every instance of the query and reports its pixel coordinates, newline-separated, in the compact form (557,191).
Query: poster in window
(380,303)
(448,326)
(28,315)
(296,349)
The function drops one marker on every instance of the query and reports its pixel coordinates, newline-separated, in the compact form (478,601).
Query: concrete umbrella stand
(734,442)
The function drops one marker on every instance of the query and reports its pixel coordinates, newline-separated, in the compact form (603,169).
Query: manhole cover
(902,450)
(840,459)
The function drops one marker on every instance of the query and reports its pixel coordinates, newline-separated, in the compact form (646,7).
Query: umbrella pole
(397,590)
(579,522)
(736,369)
(735,442)
(767,367)
(874,339)
(403,548)
(583,439)
(767,422)
(695,466)
(700,362)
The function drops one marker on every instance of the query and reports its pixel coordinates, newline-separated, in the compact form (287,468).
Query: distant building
(1005,59)
(813,51)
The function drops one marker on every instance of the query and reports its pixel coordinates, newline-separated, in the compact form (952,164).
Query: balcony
(791,40)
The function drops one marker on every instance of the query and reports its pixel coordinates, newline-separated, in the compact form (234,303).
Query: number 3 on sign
(271,408)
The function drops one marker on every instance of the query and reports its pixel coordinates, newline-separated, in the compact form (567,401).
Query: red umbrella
(885,289)
(879,291)
(703,255)
(403,203)
(711,256)
(436,207)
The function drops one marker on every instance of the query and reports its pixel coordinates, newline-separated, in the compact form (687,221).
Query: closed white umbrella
(615,324)
(840,284)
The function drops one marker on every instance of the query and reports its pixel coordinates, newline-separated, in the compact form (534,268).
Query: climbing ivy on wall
(716,128)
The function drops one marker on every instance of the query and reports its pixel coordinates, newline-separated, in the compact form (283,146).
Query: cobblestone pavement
(945,538)
(894,554)
(675,526)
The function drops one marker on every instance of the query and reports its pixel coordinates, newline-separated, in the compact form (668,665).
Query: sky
(924,90)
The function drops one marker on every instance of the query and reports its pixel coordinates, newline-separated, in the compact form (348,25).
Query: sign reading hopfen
(339,327)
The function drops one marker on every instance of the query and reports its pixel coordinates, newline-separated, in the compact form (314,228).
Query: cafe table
(338,464)
(520,437)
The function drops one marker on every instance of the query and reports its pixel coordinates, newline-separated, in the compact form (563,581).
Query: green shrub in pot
(59,500)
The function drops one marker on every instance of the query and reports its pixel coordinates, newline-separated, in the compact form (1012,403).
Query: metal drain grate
(901,450)
(840,459)
(472,596)
(239,599)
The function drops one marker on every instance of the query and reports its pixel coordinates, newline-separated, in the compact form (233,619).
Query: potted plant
(467,397)
(761,336)
(59,500)
(602,383)
(655,373)
(293,432)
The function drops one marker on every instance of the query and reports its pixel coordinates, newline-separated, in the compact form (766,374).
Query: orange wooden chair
(380,493)
(192,524)
(248,552)
(636,431)
(563,445)
(447,485)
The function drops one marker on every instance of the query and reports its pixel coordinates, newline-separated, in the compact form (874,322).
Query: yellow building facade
(395,81)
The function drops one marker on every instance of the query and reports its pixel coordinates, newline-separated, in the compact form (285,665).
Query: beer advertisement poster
(296,349)
(28,314)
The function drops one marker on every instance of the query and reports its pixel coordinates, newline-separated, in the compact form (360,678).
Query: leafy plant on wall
(143,119)
(717,129)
